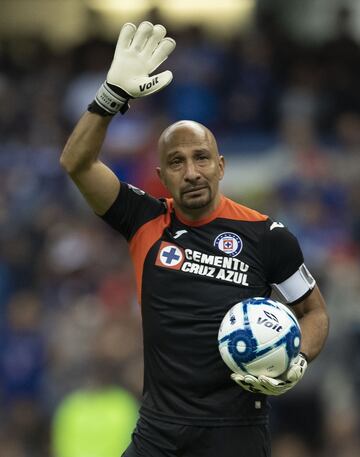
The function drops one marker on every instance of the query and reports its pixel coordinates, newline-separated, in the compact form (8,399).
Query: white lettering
(188,254)
(229,275)
(225,268)
(196,256)
(244,267)
(218,261)
(194,268)
(238,277)
(207,259)
(227,263)
(186,266)
(221,274)
(206,271)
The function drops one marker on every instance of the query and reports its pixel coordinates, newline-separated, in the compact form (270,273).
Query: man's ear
(158,172)
(221,167)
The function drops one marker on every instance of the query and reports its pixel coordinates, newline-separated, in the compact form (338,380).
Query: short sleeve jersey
(189,274)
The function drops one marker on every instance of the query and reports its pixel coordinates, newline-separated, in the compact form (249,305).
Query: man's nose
(191,172)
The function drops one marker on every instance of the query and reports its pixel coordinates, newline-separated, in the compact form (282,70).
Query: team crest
(229,242)
(169,256)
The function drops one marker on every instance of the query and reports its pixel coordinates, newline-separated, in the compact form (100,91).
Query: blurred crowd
(287,119)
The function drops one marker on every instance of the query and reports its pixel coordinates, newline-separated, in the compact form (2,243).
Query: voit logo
(229,242)
(149,85)
(270,321)
(170,256)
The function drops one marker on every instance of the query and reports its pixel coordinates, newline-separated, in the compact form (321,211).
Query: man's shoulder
(236,211)
(168,204)
(134,208)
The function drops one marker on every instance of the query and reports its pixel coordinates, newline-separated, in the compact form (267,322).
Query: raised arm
(139,52)
(98,184)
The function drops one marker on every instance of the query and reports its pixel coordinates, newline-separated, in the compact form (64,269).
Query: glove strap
(108,102)
(95,108)
(305,356)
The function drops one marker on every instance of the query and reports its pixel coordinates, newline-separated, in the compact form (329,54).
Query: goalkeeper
(195,255)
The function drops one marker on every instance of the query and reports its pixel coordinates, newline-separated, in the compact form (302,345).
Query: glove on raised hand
(139,52)
(273,386)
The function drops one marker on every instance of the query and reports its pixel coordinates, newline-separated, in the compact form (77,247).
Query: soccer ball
(259,336)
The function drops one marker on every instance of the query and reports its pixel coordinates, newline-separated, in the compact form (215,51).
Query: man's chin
(196,203)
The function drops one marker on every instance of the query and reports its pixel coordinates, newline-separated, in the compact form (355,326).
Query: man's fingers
(161,53)
(274,386)
(251,380)
(237,377)
(141,36)
(262,384)
(271,383)
(294,374)
(126,35)
(158,34)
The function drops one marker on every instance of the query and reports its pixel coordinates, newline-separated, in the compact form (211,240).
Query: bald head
(185,133)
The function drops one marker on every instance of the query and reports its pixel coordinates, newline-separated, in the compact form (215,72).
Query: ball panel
(273,363)
(229,361)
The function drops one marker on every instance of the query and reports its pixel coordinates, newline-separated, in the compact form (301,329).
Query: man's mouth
(193,190)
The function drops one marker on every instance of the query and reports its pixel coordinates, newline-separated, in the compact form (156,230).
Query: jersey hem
(203,421)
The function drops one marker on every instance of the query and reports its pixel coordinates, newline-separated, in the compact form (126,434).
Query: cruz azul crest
(229,242)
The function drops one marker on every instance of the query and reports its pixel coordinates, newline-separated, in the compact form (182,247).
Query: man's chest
(223,252)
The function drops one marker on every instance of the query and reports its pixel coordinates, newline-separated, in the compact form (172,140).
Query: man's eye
(175,162)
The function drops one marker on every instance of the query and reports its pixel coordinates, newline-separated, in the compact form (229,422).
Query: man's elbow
(70,166)
(65,164)
(325,319)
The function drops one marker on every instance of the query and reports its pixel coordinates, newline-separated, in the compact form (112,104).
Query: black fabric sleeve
(281,252)
(132,209)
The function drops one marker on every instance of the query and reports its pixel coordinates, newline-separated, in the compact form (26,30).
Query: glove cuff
(108,102)
(95,108)
(305,357)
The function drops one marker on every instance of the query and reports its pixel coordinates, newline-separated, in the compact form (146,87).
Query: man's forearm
(315,328)
(83,146)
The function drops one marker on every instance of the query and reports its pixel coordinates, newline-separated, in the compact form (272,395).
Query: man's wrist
(306,357)
(109,100)
(97,109)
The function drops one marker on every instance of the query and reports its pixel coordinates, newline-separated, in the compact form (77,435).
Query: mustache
(187,189)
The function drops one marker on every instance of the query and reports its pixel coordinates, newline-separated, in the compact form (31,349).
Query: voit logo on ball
(229,242)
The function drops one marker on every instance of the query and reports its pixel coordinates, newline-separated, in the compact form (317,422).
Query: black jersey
(188,276)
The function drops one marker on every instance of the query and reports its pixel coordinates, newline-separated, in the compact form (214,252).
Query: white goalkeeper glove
(139,52)
(273,386)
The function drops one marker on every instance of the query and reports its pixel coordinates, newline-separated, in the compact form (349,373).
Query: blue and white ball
(259,336)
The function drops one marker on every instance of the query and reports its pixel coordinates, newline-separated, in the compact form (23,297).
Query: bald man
(195,255)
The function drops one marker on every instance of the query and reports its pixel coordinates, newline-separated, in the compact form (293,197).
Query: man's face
(191,168)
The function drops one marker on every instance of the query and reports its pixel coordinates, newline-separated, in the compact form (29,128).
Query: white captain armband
(297,286)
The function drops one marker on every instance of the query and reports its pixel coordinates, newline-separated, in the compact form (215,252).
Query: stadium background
(278,82)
